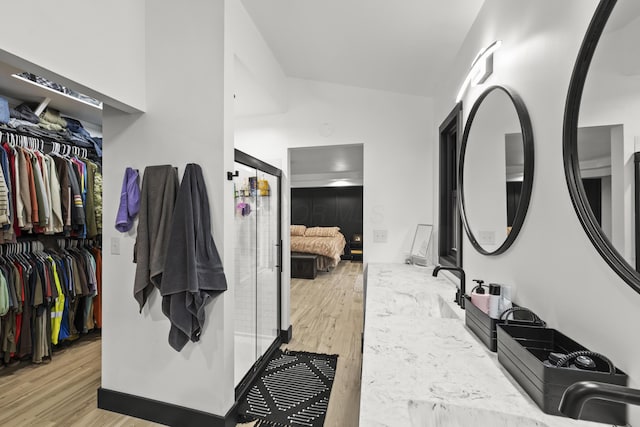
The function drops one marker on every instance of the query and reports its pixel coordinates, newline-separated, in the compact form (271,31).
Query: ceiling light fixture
(481,68)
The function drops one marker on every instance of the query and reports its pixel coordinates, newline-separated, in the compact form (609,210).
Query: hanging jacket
(58,306)
(4,296)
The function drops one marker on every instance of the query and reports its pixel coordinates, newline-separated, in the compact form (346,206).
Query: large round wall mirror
(496,170)
(602,135)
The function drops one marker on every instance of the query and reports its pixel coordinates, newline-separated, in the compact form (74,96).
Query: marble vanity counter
(419,357)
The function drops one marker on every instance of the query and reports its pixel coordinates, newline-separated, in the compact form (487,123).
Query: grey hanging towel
(157,201)
(193,272)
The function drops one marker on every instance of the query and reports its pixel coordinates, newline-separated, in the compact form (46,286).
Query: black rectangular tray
(484,327)
(522,351)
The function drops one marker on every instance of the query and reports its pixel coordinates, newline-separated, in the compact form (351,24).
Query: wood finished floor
(326,314)
(55,395)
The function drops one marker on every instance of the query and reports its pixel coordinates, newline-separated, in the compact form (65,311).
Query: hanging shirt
(41,190)
(57,222)
(31,181)
(25,214)
(16,203)
(97,194)
(6,173)
(58,307)
(62,169)
(90,212)
(4,200)
(77,207)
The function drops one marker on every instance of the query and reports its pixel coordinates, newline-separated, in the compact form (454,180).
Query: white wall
(96,48)
(181,43)
(555,268)
(261,82)
(396,132)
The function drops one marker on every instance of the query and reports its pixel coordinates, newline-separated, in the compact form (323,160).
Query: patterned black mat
(293,391)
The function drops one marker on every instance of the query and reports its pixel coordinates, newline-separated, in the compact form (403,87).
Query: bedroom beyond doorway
(326,207)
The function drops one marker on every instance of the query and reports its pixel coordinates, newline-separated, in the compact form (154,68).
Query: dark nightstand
(355,247)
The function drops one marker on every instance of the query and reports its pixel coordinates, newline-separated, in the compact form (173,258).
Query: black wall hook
(230,175)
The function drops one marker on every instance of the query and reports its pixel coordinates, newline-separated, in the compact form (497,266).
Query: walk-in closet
(50,218)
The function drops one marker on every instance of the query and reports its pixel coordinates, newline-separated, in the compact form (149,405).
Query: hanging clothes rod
(33,143)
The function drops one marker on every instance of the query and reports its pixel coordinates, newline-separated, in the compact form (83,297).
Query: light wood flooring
(59,393)
(326,314)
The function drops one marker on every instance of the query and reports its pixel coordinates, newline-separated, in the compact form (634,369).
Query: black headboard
(327,207)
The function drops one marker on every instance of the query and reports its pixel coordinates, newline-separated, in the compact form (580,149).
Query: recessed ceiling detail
(334,165)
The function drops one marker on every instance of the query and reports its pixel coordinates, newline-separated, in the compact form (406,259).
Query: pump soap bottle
(494,300)
(479,298)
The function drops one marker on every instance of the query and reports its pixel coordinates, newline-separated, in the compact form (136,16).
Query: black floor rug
(292,391)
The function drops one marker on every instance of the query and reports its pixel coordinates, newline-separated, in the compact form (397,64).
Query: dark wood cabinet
(356,250)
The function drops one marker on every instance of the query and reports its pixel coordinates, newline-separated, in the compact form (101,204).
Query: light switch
(115,246)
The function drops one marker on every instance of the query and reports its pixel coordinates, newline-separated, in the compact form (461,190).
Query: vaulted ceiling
(401,46)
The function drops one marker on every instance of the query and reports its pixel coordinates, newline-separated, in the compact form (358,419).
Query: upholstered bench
(303,266)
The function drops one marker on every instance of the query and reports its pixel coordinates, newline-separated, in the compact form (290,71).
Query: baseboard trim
(286,334)
(160,412)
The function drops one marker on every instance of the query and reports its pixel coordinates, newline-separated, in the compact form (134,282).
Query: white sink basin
(433,414)
(438,307)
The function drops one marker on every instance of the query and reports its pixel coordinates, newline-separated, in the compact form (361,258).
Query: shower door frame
(243,386)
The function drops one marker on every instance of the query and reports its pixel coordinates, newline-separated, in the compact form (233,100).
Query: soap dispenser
(494,300)
(479,297)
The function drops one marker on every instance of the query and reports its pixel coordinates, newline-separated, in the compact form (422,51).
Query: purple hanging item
(129,201)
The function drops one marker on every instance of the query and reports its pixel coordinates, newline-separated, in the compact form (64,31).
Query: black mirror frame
(570,149)
(527,182)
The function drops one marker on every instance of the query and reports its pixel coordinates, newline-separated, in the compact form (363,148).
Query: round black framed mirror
(600,136)
(495,174)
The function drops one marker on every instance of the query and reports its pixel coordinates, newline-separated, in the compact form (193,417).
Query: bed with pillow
(326,242)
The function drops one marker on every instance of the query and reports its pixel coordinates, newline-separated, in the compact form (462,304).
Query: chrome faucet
(576,395)
(460,293)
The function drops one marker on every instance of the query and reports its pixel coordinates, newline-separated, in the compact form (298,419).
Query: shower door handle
(279,254)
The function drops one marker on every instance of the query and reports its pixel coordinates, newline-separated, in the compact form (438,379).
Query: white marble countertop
(416,362)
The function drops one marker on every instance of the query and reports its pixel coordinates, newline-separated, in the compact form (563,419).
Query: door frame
(449,151)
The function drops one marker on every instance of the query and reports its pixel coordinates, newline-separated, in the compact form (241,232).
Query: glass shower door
(245,224)
(268,268)
(257,266)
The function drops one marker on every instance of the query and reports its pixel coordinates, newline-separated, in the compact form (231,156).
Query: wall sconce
(481,68)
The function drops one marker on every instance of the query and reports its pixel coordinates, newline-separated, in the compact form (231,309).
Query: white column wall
(261,83)
(553,266)
(187,120)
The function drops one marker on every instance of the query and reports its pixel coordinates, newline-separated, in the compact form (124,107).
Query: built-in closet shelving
(62,263)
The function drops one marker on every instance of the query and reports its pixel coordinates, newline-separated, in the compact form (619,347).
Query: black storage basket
(522,350)
(484,327)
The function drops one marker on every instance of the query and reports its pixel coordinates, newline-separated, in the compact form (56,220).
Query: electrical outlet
(115,246)
(487,237)
(380,236)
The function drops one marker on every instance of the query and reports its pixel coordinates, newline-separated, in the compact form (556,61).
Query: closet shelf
(20,89)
